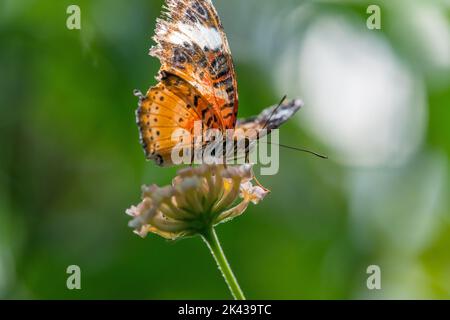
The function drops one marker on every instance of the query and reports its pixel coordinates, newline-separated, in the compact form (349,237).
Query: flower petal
(229,195)
(232,213)
(252,193)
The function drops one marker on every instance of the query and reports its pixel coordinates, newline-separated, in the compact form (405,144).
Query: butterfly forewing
(191,43)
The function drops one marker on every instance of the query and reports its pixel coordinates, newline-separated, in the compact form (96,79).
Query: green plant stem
(211,239)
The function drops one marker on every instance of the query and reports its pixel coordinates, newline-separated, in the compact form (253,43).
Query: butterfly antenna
(302,150)
(273,112)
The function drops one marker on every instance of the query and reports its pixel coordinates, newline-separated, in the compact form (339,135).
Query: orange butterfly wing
(171,105)
(191,43)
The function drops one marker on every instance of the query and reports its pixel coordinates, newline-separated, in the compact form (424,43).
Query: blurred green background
(377,102)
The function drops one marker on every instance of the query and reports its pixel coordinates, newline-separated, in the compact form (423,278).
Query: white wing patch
(203,36)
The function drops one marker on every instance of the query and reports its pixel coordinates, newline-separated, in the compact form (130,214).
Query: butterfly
(196,82)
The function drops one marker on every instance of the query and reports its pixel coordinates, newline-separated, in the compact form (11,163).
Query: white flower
(198,198)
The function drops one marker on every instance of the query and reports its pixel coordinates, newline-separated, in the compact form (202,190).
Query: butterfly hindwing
(171,105)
